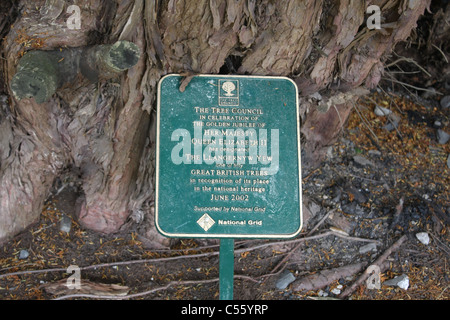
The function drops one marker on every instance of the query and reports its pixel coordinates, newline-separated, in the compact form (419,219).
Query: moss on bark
(40,73)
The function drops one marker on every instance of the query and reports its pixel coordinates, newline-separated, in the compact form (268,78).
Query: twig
(31,272)
(440,295)
(413,94)
(404,72)
(387,116)
(310,174)
(443,54)
(118,263)
(363,178)
(320,222)
(318,236)
(410,61)
(43,228)
(331,232)
(392,99)
(264,245)
(139,294)
(144,293)
(377,262)
(274,270)
(340,235)
(441,244)
(365,121)
(192,256)
(340,119)
(411,86)
(398,211)
(392,122)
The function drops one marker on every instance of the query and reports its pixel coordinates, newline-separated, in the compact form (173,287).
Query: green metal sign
(228,158)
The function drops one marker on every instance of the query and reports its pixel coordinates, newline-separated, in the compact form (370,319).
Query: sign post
(228,162)
(226,269)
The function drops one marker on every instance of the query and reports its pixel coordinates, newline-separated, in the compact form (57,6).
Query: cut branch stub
(36,76)
(40,73)
(121,56)
(106,61)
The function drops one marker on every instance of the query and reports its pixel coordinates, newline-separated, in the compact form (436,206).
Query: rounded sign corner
(291,81)
(162,232)
(165,77)
(299,230)
(168,76)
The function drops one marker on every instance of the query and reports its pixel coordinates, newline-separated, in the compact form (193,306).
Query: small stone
(368,248)
(380,111)
(404,282)
(322,293)
(389,127)
(314,208)
(285,279)
(23,254)
(375,153)
(330,153)
(423,238)
(65,224)
(442,136)
(336,291)
(392,122)
(400,281)
(362,161)
(448,161)
(445,102)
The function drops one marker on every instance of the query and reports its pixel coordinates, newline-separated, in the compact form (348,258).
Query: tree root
(325,277)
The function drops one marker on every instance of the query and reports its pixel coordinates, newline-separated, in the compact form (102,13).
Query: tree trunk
(104,131)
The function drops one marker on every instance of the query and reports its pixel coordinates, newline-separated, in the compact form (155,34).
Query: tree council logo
(229,87)
(229,93)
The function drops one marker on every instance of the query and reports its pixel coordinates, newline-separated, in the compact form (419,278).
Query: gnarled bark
(106,130)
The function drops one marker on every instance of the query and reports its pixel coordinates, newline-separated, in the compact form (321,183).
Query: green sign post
(228,161)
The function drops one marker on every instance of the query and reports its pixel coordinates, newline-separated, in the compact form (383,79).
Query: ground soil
(405,165)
